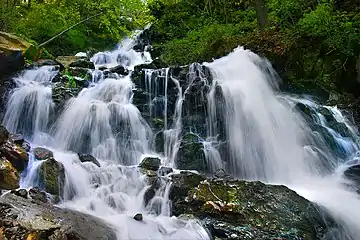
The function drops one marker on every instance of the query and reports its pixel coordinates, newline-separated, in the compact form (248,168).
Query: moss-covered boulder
(9,176)
(252,210)
(52,176)
(26,219)
(150,163)
(182,183)
(191,154)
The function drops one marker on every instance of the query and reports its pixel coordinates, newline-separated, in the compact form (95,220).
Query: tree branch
(68,29)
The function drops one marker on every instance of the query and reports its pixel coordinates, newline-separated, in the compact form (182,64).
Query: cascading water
(102,121)
(269,141)
(31,100)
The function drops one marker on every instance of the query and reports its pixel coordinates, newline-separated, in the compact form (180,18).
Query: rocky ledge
(24,216)
(233,209)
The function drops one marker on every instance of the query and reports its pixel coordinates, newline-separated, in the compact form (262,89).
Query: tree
(261,13)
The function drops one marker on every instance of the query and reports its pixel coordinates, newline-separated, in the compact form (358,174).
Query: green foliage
(313,44)
(44,19)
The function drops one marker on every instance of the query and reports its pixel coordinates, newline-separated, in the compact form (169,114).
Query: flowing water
(267,139)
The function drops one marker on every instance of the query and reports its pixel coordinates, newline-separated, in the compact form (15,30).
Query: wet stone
(138,217)
(43,153)
(163,171)
(37,194)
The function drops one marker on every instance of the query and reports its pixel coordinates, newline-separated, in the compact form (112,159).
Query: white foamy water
(101,121)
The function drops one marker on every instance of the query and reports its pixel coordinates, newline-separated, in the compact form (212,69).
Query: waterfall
(268,140)
(30,100)
(103,121)
(249,129)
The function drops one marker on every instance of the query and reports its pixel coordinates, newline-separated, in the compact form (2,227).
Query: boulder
(12,49)
(163,171)
(150,163)
(9,176)
(182,183)
(52,177)
(138,217)
(37,195)
(88,158)
(25,219)
(353,174)
(82,63)
(43,153)
(119,70)
(251,210)
(15,154)
(149,194)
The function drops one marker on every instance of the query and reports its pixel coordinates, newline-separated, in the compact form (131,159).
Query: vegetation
(39,20)
(313,44)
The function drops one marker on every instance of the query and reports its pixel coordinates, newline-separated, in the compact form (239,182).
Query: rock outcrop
(233,209)
(23,218)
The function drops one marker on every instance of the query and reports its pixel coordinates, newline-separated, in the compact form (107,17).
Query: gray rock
(21,217)
(88,158)
(43,153)
(82,63)
(37,195)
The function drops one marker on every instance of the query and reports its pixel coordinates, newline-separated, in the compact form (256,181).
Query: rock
(61,92)
(17,138)
(252,210)
(220,173)
(353,174)
(15,154)
(43,153)
(163,171)
(9,176)
(138,217)
(21,193)
(12,49)
(25,219)
(149,194)
(26,146)
(37,195)
(82,63)
(52,177)
(49,62)
(182,183)
(4,134)
(191,154)
(150,163)
(88,158)
(119,70)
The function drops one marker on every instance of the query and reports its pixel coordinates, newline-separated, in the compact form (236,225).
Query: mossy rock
(263,211)
(9,176)
(191,154)
(4,134)
(82,63)
(52,176)
(150,163)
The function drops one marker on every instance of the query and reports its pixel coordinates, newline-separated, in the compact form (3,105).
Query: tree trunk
(261,13)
